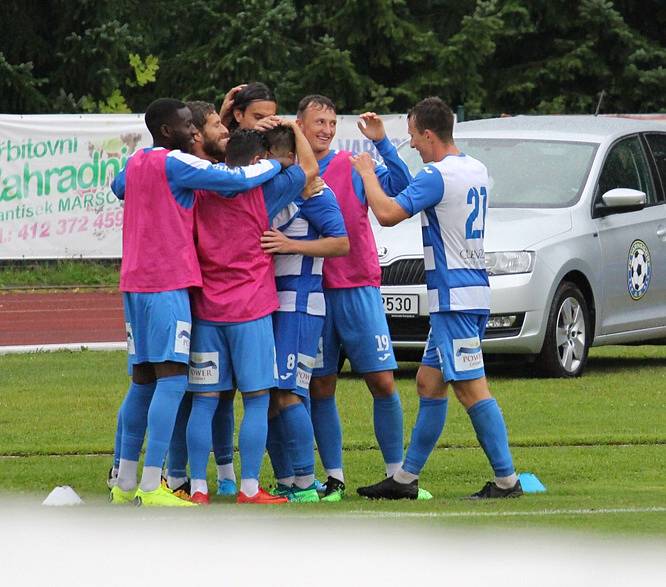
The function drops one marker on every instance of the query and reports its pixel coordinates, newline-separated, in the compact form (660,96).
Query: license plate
(401,304)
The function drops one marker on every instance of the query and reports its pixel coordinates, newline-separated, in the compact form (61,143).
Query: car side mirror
(620,200)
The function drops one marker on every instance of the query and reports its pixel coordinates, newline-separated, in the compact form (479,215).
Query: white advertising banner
(55,177)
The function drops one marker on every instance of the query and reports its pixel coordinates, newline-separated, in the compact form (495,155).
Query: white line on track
(73,346)
(530,513)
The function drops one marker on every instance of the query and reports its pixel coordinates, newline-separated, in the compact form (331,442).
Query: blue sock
(490,429)
(169,392)
(223,432)
(388,427)
(306,402)
(277,448)
(427,430)
(177,457)
(327,431)
(252,434)
(300,438)
(134,416)
(119,438)
(200,433)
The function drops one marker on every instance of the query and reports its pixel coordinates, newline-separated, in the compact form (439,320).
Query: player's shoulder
(188,159)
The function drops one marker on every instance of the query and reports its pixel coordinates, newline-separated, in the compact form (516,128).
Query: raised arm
(306,157)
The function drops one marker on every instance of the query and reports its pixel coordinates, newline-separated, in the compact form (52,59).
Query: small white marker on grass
(63,495)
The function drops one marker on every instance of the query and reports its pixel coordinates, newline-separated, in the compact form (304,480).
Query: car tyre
(567,342)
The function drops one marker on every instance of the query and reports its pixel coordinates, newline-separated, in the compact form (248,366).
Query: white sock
(402,476)
(336,474)
(226,472)
(114,473)
(506,482)
(288,481)
(392,468)
(199,485)
(175,482)
(304,482)
(151,478)
(250,487)
(127,479)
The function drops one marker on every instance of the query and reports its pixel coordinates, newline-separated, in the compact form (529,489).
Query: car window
(626,167)
(658,147)
(525,173)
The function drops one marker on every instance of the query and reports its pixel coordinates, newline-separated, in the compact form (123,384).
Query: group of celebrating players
(249,263)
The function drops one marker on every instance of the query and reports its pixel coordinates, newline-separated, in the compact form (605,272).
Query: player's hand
(273,241)
(363,163)
(314,187)
(267,123)
(228,103)
(372,126)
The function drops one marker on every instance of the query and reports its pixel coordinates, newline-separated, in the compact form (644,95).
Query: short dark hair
(200,112)
(244,144)
(316,100)
(433,114)
(281,138)
(161,111)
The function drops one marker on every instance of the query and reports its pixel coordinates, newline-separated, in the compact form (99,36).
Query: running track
(61,318)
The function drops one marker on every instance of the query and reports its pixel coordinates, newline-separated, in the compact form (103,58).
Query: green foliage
(491,56)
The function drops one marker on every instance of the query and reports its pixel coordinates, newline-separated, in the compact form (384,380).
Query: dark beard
(212,149)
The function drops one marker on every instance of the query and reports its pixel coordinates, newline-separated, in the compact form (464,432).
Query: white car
(575,239)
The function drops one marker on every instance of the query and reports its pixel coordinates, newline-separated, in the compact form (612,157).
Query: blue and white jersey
(452,196)
(299,277)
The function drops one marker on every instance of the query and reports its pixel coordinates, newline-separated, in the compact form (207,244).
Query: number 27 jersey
(452,197)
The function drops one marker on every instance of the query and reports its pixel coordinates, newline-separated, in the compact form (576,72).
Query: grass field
(28,274)
(598,443)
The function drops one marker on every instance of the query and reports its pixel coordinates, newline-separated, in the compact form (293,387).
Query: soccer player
(307,233)
(250,106)
(451,193)
(233,332)
(159,264)
(355,319)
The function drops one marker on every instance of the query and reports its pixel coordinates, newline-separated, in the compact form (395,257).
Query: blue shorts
(355,321)
(158,327)
(454,345)
(297,337)
(228,355)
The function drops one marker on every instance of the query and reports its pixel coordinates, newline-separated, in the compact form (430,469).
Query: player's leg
(210,370)
(365,337)
(169,326)
(323,409)
(252,351)
(276,446)
(429,424)
(177,479)
(223,444)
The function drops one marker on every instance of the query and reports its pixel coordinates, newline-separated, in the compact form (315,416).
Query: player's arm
(387,210)
(227,108)
(304,153)
(188,171)
(394,175)
(118,185)
(273,241)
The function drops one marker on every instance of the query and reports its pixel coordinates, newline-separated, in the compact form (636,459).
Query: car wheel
(567,342)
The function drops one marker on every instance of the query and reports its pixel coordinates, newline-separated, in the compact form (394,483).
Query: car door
(630,245)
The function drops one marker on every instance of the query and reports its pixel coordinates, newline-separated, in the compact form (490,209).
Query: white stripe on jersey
(299,227)
(424,219)
(306,360)
(433,300)
(287,301)
(258,168)
(464,298)
(288,265)
(190,160)
(316,303)
(317,265)
(429,258)
(284,216)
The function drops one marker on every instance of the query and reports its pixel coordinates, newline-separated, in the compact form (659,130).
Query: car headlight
(509,262)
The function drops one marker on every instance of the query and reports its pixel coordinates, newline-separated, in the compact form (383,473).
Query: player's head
(281,142)
(317,119)
(170,124)
(245,147)
(210,140)
(254,102)
(430,122)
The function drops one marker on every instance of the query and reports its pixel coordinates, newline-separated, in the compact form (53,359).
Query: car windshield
(525,173)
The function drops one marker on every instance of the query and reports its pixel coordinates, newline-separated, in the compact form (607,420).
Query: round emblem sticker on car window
(639,269)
